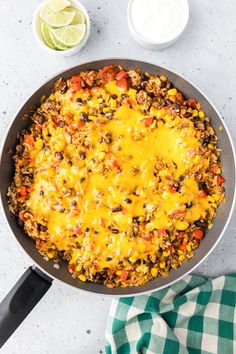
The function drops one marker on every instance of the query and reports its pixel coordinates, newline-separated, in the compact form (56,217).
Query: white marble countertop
(67,321)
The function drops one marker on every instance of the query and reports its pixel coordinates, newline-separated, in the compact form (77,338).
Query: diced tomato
(143,226)
(172,189)
(124,275)
(71,268)
(213,168)
(202,194)
(38,128)
(77,82)
(21,216)
(148,236)
(22,191)
(148,121)
(192,102)
(123,83)
(121,75)
(29,139)
(178,213)
(181,233)
(199,176)
(198,234)
(220,180)
(182,247)
(108,73)
(161,231)
(111,272)
(76,125)
(78,229)
(116,166)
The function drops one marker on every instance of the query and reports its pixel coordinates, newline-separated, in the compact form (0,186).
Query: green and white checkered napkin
(196,315)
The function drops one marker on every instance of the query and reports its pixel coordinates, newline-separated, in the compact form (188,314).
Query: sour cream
(157,22)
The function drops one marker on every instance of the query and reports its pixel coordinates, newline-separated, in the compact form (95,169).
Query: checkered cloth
(196,315)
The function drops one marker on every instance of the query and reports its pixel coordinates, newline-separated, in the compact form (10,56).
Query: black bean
(175,106)
(86,229)
(42,228)
(61,123)
(41,120)
(114,97)
(82,154)
(144,77)
(100,276)
(201,223)
(163,84)
(181,178)
(202,186)
(20,222)
(79,100)
(135,219)
(151,94)
(128,200)
(41,192)
(115,231)
(189,205)
(58,155)
(82,179)
(70,163)
(108,259)
(73,203)
(167,102)
(96,232)
(116,209)
(64,90)
(62,210)
(84,117)
(123,96)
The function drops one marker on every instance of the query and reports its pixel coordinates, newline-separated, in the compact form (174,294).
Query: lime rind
(55,6)
(57,44)
(69,36)
(79,17)
(58,19)
(45,30)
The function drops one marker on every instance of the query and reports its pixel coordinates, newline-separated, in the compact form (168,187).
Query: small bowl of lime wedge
(62,27)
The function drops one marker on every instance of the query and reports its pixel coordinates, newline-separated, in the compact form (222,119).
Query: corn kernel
(119,272)
(39,144)
(78,268)
(59,146)
(216,197)
(112,103)
(172,92)
(180,252)
(166,253)
(106,110)
(132,259)
(195,113)
(201,114)
(163,78)
(181,225)
(100,100)
(132,92)
(51,254)
(154,272)
(188,248)
(181,258)
(82,277)
(210,146)
(92,117)
(162,265)
(101,155)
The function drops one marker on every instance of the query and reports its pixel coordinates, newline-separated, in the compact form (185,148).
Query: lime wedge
(57,44)
(58,19)
(70,35)
(45,30)
(55,6)
(79,16)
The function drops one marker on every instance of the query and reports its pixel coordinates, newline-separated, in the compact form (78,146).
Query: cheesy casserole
(119,175)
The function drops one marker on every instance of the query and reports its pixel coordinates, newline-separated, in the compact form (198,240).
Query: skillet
(35,282)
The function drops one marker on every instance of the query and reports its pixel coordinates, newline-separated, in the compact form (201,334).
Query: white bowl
(157,45)
(67,52)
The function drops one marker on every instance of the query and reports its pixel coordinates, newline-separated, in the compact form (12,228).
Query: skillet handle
(21,299)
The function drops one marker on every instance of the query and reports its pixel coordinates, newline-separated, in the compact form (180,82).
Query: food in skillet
(119,175)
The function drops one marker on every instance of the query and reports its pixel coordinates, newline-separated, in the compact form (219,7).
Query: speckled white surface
(67,321)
